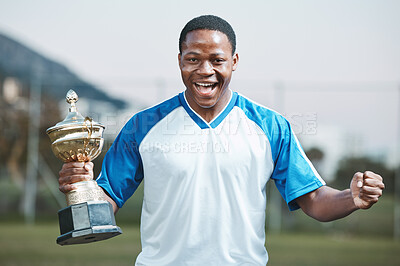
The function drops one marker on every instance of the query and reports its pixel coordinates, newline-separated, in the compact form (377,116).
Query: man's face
(206,64)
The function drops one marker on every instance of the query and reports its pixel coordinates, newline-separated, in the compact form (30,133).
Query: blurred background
(331,67)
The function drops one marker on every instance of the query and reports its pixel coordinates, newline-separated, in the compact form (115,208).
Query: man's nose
(206,68)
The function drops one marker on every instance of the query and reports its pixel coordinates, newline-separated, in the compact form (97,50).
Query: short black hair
(209,22)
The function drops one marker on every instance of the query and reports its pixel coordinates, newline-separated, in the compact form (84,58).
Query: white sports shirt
(204,183)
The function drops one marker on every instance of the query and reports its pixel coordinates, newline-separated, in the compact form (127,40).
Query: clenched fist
(366,188)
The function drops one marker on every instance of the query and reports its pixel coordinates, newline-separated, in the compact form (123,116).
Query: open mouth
(205,88)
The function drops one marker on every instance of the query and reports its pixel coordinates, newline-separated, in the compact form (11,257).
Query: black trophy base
(87,222)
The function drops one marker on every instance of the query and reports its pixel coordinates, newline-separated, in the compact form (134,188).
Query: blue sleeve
(294,175)
(122,169)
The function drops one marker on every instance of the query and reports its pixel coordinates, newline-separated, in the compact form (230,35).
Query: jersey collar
(203,124)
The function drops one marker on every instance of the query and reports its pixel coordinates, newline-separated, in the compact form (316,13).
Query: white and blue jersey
(205,183)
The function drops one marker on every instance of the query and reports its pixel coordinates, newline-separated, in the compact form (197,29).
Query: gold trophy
(88,216)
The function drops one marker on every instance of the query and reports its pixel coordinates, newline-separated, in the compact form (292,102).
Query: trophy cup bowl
(88,216)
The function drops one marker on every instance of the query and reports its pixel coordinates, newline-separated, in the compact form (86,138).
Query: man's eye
(192,59)
(219,60)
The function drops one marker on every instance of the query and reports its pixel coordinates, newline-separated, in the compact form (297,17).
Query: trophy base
(87,222)
(96,233)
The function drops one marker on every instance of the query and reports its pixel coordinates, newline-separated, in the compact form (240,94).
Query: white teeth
(205,84)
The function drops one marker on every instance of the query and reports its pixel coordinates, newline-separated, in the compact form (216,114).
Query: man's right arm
(75,172)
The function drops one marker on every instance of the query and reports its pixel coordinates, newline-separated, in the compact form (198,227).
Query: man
(205,157)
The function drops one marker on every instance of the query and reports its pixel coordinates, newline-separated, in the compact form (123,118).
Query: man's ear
(179,60)
(235,61)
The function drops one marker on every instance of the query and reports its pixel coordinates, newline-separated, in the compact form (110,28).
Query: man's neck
(208,114)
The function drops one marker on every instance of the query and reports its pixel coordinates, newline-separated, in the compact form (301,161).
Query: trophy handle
(86,141)
(89,120)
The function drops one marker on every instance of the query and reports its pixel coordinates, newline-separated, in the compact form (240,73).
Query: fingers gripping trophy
(88,216)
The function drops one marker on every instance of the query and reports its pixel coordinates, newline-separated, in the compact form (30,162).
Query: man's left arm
(327,204)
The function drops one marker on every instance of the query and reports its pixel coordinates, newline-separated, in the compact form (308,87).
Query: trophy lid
(74,118)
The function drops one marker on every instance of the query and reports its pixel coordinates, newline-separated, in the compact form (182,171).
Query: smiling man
(205,157)
(207,59)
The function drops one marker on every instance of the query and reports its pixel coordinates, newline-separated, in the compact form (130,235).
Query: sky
(333,65)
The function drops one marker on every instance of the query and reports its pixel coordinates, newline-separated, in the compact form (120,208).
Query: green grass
(35,245)
(363,238)
(309,250)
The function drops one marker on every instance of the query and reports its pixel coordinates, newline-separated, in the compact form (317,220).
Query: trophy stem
(85,191)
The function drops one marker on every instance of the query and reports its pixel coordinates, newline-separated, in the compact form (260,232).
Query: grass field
(363,238)
(35,245)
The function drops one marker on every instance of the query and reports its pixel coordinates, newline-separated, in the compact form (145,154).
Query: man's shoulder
(258,112)
(162,108)
(140,123)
